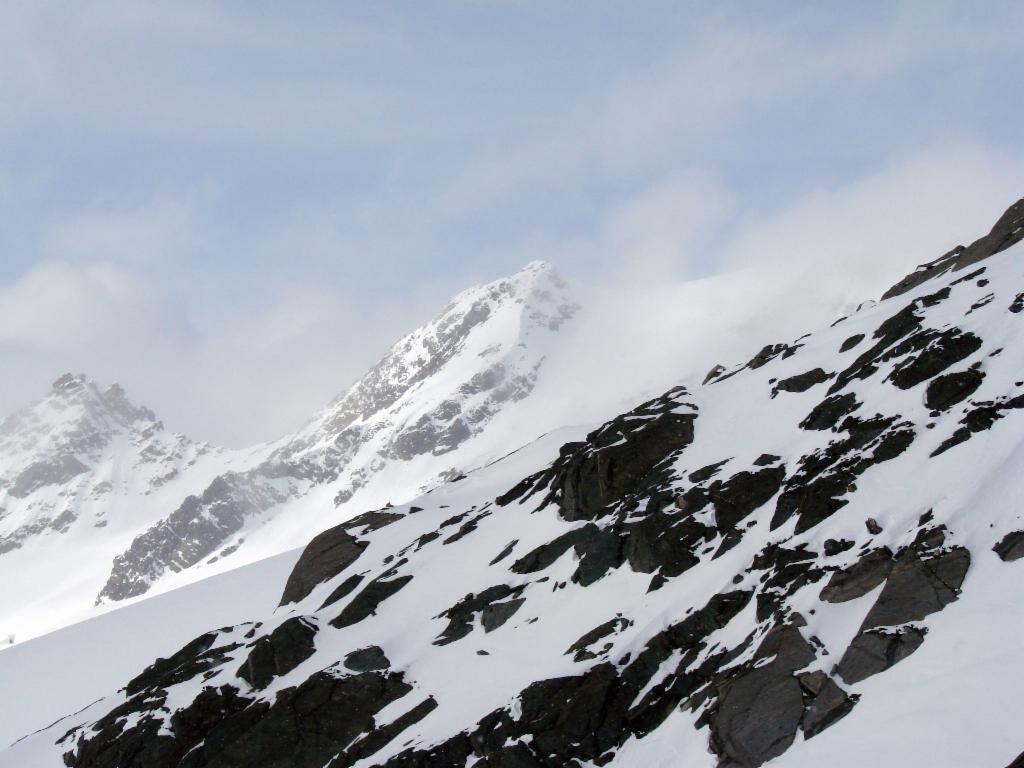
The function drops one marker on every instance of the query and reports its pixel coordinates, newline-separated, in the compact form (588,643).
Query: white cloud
(773,277)
(233,378)
(61,306)
(159,232)
(318,256)
(861,237)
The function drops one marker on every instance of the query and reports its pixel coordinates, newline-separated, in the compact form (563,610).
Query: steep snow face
(82,471)
(770,565)
(408,425)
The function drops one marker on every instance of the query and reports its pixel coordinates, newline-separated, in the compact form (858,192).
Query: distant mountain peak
(111,402)
(69,382)
(59,455)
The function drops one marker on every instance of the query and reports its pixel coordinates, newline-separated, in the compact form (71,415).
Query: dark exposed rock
(1018,762)
(496,605)
(596,474)
(860,578)
(57,471)
(496,614)
(598,554)
(713,374)
(825,703)
(706,473)
(736,498)
(597,550)
(918,587)
(371,521)
(915,588)
(371,659)
(1010,547)
(566,721)
(814,492)
(1018,303)
(970,276)
(343,590)
(581,649)
(312,724)
(466,528)
(279,652)
(381,735)
(801,382)
(766,355)
(951,388)
(545,555)
(1008,230)
(766,459)
(306,725)
(505,552)
(891,331)
(616,461)
(876,650)
(368,600)
(787,571)
(947,349)
(665,543)
(979,418)
(327,555)
(982,302)
(192,660)
(836,546)
(829,412)
(761,708)
(851,342)
(873,527)
(938,297)
(770,352)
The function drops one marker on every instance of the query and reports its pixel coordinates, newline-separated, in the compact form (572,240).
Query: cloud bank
(234,214)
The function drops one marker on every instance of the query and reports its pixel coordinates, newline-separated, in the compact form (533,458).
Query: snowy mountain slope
(775,566)
(110,648)
(82,471)
(408,425)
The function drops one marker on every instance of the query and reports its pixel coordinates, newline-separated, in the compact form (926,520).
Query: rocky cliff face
(429,396)
(725,575)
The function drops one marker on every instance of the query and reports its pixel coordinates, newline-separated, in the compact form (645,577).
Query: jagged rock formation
(435,389)
(708,579)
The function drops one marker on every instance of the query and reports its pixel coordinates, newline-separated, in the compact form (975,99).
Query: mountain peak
(112,403)
(69,382)
(538,269)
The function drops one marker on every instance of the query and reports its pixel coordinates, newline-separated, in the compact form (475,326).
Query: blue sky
(233,208)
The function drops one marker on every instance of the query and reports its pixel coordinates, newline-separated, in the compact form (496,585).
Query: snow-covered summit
(77,417)
(493,323)
(409,424)
(64,449)
(82,470)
